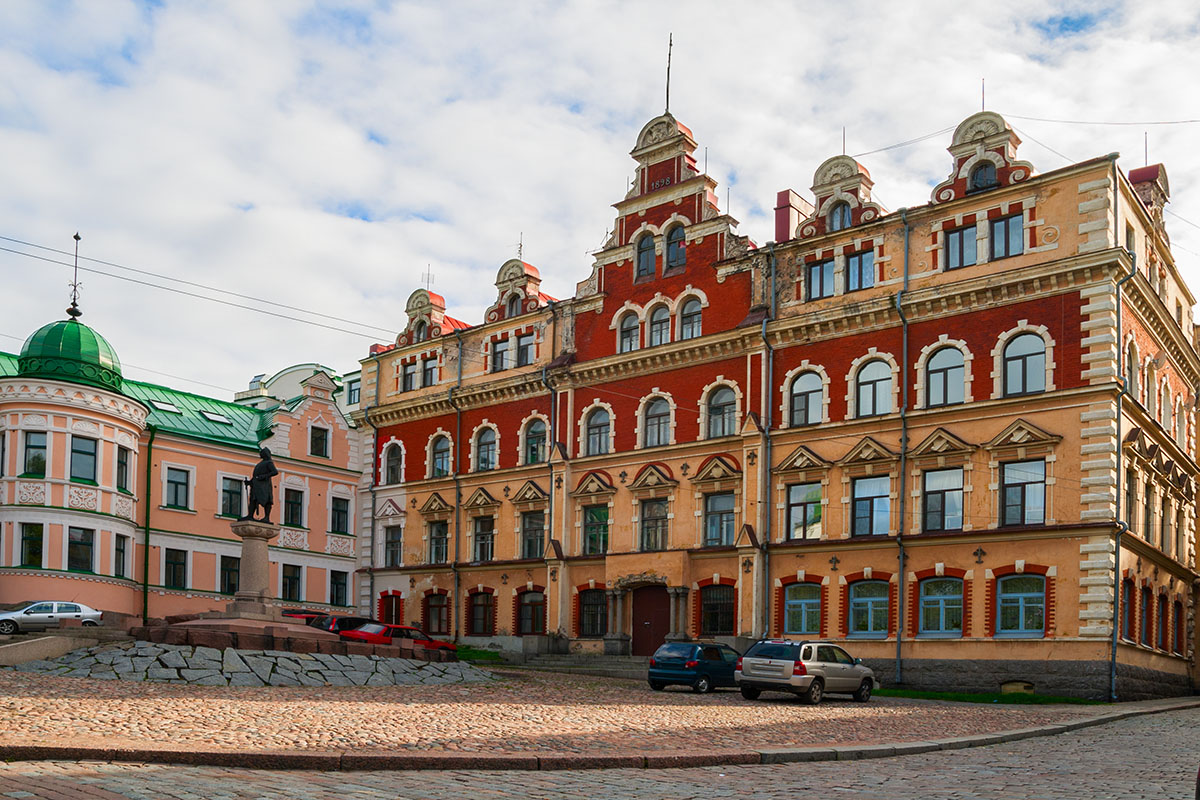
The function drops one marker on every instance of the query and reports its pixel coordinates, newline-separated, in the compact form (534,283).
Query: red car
(379,633)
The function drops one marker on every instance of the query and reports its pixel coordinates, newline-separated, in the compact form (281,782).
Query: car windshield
(370,628)
(772,650)
(674,651)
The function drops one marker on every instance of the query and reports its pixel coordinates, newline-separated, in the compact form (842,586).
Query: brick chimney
(1152,189)
(790,208)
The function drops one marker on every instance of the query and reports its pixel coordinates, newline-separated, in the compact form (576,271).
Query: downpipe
(1122,390)
(903,488)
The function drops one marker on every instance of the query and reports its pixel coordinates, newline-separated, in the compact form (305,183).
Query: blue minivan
(700,665)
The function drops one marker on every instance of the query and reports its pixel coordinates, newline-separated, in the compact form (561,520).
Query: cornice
(1139,294)
(17,388)
(727,344)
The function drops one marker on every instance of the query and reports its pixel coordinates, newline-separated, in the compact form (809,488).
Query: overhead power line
(1102,122)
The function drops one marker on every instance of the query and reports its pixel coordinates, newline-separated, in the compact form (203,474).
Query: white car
(39,616)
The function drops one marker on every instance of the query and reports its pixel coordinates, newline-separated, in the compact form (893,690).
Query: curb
(335,760)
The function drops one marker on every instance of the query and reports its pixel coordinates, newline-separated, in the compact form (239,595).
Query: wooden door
(651,619)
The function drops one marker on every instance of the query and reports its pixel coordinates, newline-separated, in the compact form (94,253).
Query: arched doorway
(651,618)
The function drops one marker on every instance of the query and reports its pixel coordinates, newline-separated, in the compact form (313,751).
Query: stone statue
(260,487)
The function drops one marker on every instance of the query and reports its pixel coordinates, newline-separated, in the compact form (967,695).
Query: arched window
(437,614)
(597,432)
(722,413)
(983,177)
(941,607)
(1164,523)
(1021,605)
(535,442)
(628,337)
(1131,371)
(690,319)
(657,423)
(807,401)
(514,307)
(874,389)
(645,256)
(1147,619)
(392,463)
(802,609)
(1178,619)
(485,450)
(839,217)
(716,610)
(660,326)
(1162,622)
(420,332)
(531,613)
(1164,408)
(593,613)
(482,609)
(1181,428)
(944,378)
(676,253)
(1024,365)
(869,609)
(1151,393)
(1127,610)
(441,457)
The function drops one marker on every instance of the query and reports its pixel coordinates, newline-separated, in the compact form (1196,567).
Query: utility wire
(1101,122)
(196,285)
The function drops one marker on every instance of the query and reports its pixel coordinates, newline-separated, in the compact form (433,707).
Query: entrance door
(651,619)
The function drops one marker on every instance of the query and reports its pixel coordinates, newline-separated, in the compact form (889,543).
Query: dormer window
(645,257)
(983,177)
(676,254)
(514,307)
(420,332)
(839,217)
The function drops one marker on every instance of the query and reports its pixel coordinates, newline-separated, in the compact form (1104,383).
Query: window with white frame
(628,335)
(660,326)
(872,506)
(807,399)
(945,378)
(873,385)
(690,319)
(656,420)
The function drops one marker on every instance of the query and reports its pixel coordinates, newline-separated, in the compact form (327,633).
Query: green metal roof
(70,351)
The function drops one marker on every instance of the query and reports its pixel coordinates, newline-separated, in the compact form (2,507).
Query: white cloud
(235,144)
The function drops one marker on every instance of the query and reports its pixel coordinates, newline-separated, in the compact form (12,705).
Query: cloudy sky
(324,155)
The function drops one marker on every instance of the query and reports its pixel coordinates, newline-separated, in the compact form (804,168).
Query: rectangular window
(1008,236)
(960,247)
(408,377)
(231,567)
(802,609)
(291,582)
(532,534)
(439,538)
(485,538)
(499,355)
(482,614)
(81,550)
(123,468)
(941,611)
(83,459)
(943,500)
(339,515)
(860,270)
(524,349)
(1021,601)
(31,544)
(819,277)
(231,497)
(177,488)
(804,511)
(872,506)
(593,613)
(293,508)
(120,556)
(429,372)
(318,442)
(35,454)
(353,392)
(393,546)
(337,587)
(654,524)
(595,530)
(1023,493)
(175,569)
(869,608)
(718,519)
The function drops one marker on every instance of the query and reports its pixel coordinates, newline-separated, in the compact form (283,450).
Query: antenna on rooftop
(1146,147)
(843,140)
(983,94)
(73,311)
(706,159)
(670,44)
(427,277)
(521,246)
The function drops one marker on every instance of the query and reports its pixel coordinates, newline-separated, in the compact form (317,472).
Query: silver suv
(807,669)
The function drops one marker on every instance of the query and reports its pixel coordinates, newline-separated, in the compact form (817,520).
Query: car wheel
(863,694)
(89,623)
(657,685)
(7,626)
(814,693)
(703,685)
(750,693)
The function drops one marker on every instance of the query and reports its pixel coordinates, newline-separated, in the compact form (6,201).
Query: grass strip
(1003,698)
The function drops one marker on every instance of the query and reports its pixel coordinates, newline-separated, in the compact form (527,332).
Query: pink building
(118,494)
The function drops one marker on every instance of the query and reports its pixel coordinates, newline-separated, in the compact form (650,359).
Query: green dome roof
(68,350)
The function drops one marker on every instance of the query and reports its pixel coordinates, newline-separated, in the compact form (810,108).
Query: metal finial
(427,277)
(670,44)
(73,311)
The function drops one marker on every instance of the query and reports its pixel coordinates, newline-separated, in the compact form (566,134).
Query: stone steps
(632,667)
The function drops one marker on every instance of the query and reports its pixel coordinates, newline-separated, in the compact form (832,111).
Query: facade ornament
(833,562)
(979,554)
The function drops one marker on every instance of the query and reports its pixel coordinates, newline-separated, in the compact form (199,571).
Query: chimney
(790,208)
(1152,189)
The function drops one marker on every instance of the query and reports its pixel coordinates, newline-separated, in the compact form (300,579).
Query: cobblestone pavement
(1152,756)
(522,712)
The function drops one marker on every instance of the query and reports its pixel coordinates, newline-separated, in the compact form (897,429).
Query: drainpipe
(146,528)
(454,604)
(552,434)
(1122,391)
(374,484)
(764,490)
(903,451)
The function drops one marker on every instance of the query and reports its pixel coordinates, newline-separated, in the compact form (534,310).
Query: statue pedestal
(254,578)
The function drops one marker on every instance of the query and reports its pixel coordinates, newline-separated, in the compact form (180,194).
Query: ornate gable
(717,468)
(435,505)
(942,444)
(654,478)
(1022,434)
(594,483)
(480,499)
(390,508)
(319,385)
(802,459)
(840,180)
(519,280)
(982,140)
(867,452)
(530,494)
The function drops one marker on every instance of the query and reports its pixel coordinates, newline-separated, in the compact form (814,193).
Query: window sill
(1020,635)
(177,508)
(337,533)
(83,482)
(935,635)
(124,491)
(293,527)
(879,636)
(40,476)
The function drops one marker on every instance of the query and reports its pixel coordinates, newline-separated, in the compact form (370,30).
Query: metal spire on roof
(73,311)
(670,44)
(427,277)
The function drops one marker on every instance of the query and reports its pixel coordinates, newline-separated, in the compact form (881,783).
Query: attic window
(514,307)
(163,405)
(839,217)
(983,177)
(213,416)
